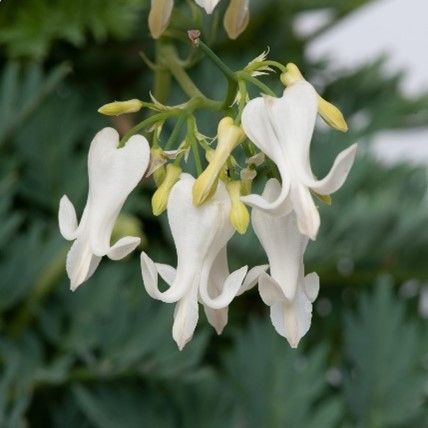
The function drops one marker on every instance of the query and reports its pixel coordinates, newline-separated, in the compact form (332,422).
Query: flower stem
(175,132)
(230,75)
(256,82)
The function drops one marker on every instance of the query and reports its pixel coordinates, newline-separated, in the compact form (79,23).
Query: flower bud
(239,215)
(330,113)
(160,197)
(236,18)
(121,107)
(229,137)
(159,16)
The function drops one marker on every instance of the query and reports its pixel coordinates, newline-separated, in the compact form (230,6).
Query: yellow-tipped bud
(121,107)
(236,18)
(292,75)
(330,113)
(229,136)
(239,215)
(159,16)
(160,197)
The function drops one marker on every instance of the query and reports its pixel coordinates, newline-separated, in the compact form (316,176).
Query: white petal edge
(338,173)
(67,219)
(150,279)
(80,264)
(230,289)
(186,317)
(123,247)
(252,278)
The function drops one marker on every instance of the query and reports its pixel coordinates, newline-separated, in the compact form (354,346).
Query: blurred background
(103,356)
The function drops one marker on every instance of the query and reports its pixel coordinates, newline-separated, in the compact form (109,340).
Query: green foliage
(30,29)
(277,386)
(385,384)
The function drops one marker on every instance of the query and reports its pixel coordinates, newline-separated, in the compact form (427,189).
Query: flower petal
(229,290)
(218,318)
(81,263)
(67,219)
(208,5)
(252,278)
(337,175)
(282,241)
(269,289)
(186,316)
(312,286)
(150,278)
(308,217)
(292,319)
(167,273)
(123,247)
(113,174)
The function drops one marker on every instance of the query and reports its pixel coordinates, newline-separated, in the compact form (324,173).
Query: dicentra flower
(113,173)
(282,128)
(287,290)
(200,235)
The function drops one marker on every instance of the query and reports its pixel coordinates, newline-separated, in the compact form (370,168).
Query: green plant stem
(173,63)
(162,83)
(256,82)
(175,132)
(230,75)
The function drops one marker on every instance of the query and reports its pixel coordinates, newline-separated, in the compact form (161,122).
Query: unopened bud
(117,108)
(159,16)
(236,18)
(229,136)
(161,196)
(239,215)
(292,75)
(330,113)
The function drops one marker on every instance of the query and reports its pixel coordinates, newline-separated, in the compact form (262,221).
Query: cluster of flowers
(203,213)
(235,20)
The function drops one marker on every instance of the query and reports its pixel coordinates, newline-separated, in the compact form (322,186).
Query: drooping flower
(208,5)
(236,18)
(287,290)
(200,234)
(113,174)
(282,128)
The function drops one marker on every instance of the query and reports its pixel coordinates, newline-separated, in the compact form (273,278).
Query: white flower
(282,128)
(208,5)
(200,235)
(113,174)
(286,290)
